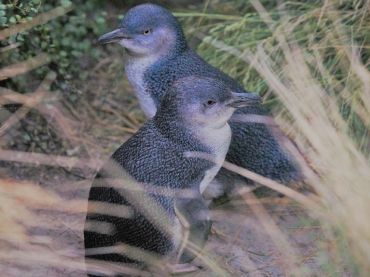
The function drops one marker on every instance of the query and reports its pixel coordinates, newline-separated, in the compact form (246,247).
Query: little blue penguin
(158,55)
(146,200)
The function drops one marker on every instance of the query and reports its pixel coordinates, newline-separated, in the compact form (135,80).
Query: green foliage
(250,32)
(68,39)
(13,12)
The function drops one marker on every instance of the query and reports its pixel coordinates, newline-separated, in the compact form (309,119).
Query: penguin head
(146,30)
(205,102)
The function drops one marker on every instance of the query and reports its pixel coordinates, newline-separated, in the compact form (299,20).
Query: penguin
(158,55)
(145,205)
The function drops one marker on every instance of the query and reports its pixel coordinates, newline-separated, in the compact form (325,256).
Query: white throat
(135,68)
(218,141)
(137,65)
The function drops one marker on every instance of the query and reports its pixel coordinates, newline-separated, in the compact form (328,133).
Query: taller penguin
(158,55)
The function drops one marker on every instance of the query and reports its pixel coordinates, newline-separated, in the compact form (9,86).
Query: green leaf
(76,53)
(63,53)
(44,45)
(100,20)
(20,38)
(12,20)
(3,20)
(65,3)
(66,41)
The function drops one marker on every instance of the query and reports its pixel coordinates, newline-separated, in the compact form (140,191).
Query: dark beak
(114,36)
(241,100)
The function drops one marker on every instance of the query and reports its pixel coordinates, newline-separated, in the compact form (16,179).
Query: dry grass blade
(61,121)
(9,47)
(35,197)
(52,112)
(309,202)
(253,118)
(13,119)
(113,268)
(38,20)
(37,159)
(23,67)
(8,96)
(37,97)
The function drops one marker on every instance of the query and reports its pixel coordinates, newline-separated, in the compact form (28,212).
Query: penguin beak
(240,100)
(114,36)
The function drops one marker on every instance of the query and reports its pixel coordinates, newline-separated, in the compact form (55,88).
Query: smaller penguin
(145,205)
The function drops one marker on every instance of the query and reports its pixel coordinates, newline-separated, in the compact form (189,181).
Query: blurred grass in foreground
(311,60)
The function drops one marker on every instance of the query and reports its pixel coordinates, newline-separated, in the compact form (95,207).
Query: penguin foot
(176,269)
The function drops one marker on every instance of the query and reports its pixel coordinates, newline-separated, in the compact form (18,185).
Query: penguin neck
(216,138)
(136,67)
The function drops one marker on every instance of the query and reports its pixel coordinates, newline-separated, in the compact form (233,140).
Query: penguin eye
(210,103)
(147,32)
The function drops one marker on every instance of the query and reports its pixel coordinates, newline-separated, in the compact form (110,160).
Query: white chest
(218,140)
(135,69)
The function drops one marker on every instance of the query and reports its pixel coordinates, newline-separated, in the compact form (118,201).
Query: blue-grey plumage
(155,160)
(158,55)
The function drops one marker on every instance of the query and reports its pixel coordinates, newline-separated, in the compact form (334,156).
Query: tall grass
(312,62)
